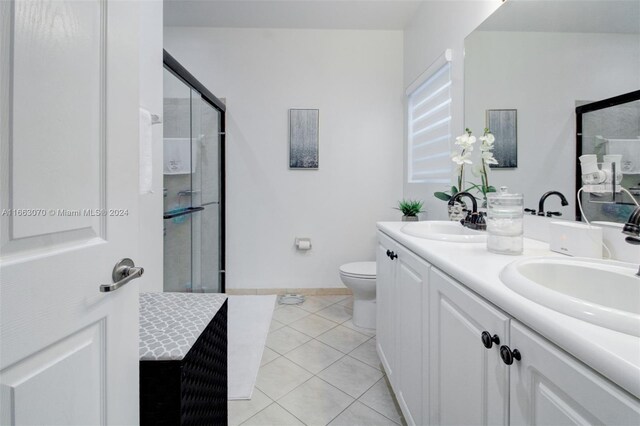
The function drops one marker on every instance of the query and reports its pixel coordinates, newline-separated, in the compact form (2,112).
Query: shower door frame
(172,65)
(590,107)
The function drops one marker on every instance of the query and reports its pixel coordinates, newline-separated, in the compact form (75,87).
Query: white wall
(542,75)
(355,79)
(150,208)
(440,25)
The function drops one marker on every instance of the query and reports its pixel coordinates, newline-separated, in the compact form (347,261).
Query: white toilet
(360,277)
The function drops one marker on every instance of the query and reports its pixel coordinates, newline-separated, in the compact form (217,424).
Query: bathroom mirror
(543,59)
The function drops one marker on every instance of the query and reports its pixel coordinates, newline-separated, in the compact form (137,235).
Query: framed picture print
(303,138)
(503,125)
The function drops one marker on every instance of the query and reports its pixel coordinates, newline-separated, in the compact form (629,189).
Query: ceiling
(311,14)
(584,16)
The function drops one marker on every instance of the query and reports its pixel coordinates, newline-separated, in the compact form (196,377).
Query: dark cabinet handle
(393,256)
(389,253)
(488,340)
(509,355)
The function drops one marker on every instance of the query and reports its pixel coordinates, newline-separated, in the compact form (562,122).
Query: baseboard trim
(323,291)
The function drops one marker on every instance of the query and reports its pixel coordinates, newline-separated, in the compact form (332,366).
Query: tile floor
(318,368)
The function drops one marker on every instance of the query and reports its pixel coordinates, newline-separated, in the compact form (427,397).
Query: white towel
(146,145)
(630,151)
(177,156)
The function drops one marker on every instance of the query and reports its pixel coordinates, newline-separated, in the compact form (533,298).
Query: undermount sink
(605,293)
(442,230)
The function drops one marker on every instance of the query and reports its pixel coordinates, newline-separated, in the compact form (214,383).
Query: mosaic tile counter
(183,358)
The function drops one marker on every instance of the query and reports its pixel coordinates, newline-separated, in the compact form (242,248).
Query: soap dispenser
(504,222)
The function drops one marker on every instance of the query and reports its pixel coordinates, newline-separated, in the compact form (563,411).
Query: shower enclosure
(193,183)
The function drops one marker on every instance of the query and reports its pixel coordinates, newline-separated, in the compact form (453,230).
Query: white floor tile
(315,402)
(343,339)
(280,376)
(312,325)
(336,313)
(286,339)
(348,302)
(351,376)
(275,325)
(368,331)
(268,355)
(368,354)
(241,410)
(273,415)
(289,314)
(333,298)
(314,304)
(358,414)
(314,356)
(381,399)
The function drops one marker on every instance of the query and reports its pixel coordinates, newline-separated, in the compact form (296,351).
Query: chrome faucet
(544,197)
(474,219)
(632,229)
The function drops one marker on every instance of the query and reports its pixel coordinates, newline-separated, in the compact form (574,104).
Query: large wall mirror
(534,62)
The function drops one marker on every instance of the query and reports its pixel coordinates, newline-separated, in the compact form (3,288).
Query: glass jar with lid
(504,222)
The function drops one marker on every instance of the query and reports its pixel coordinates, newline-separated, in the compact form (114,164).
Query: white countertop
(614,355)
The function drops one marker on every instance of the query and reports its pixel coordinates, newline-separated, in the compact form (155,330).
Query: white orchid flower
(465,141)
(461,159)
(487,142)
(488,158)
(462,140)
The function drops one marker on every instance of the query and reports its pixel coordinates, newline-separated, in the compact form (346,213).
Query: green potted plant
(410,209)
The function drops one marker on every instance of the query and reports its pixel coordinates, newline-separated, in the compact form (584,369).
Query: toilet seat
(360,270)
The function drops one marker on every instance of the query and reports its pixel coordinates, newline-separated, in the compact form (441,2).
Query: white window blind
(429,126)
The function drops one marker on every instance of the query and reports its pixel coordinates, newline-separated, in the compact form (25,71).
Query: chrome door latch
(124,271)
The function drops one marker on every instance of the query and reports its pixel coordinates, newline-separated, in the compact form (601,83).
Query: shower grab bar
(182,212)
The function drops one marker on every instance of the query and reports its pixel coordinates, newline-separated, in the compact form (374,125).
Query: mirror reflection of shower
(610,132)
(193,188)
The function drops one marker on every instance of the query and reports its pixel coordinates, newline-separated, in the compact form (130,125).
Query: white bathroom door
(68,211)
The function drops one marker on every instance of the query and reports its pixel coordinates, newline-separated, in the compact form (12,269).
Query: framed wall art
(303,138)
(503,125)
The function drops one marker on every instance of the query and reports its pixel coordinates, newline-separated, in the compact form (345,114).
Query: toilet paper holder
(303,243)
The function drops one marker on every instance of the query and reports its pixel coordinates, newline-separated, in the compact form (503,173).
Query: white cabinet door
(549,387)
(469,383)
(385,306)
(69,194)
(411,281)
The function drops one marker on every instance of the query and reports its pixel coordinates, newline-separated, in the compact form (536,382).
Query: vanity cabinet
(550,387)
(402,283)
(469,382)
(452,357)
(385,306)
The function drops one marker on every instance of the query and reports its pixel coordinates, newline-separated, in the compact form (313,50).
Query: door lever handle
(124,271)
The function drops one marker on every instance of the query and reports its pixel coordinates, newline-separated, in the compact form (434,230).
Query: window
(429,124)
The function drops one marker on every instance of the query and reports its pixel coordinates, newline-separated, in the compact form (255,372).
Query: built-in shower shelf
(181,212)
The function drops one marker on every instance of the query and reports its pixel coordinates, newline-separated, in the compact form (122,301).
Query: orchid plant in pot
(462,158)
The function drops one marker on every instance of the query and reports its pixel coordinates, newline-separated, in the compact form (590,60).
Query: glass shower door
(206,246)
(192,186)
(177,169)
